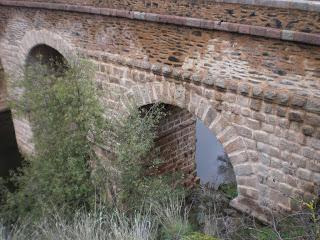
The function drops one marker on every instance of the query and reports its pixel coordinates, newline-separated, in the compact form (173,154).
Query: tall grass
(84,226)
(173,218)
(162,220)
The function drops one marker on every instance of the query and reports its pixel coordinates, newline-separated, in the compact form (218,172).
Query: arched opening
(184,143)
(10,158)
(46,55)
(187,146)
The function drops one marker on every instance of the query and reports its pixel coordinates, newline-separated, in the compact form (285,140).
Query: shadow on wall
(10,158)
(213,165)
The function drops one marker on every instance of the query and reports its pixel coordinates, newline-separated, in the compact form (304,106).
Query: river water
(213,165)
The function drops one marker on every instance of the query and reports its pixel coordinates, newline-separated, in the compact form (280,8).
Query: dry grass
(84,226)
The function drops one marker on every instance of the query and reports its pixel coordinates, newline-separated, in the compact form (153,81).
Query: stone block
(255,104)
(316,178)
(261,136)
(235,145)
(304,174)
(252,124)
(295,116)
(285,189)
(313,105)
(297,101)
(238,158)
(243,169)
(210,116)
(308,130)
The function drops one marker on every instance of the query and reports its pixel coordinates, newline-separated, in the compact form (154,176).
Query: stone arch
(178,95)
(227,134)
(31,40)
(45,54)
(35,38)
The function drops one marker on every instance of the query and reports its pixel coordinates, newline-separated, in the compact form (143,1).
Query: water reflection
(213,165)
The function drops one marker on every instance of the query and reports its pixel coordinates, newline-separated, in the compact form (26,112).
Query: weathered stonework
(269,31)
(260,97)
(303,16)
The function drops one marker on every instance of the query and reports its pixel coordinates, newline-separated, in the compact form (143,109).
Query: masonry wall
(275,161)
(286,17)
(213,56)
(176,142)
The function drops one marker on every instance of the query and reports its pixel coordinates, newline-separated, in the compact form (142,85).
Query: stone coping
(305,5)
(267,93)
(286,35)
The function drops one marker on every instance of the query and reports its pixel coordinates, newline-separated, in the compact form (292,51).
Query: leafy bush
(138,161)
(68,126)
(63,108)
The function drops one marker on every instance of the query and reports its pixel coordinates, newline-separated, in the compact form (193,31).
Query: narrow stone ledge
(286,35)
(304,5)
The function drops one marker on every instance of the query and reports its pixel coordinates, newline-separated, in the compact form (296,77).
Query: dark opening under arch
(47,55)
(10,157)
(186,144)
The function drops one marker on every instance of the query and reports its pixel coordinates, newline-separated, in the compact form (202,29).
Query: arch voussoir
(238,157)
(233,145)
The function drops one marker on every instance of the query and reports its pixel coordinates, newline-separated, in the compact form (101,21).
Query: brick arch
(179,95)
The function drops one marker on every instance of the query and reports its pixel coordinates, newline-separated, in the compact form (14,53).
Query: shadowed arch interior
(47,55)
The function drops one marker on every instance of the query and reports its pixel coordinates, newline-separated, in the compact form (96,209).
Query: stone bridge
(249,69)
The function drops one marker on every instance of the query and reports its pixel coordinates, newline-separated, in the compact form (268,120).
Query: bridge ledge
(268,32)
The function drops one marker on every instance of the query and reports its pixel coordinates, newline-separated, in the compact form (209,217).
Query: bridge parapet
(297,20)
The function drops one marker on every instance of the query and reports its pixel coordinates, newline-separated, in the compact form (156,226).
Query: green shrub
(230,190)
(62,108)
(138,161)
(68,126)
